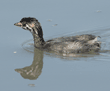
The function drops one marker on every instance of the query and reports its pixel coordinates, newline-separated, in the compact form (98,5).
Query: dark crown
(28,19)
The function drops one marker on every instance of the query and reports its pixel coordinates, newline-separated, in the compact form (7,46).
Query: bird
(84,43)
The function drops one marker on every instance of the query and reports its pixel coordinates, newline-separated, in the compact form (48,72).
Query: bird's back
(74,44)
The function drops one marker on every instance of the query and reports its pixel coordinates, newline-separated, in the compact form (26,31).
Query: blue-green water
(22,70)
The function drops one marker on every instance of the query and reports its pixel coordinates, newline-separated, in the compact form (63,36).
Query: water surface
(31,69)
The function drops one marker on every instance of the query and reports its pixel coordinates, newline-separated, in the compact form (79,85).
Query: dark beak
(19,24)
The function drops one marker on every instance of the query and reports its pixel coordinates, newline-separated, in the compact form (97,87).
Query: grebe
(73,44)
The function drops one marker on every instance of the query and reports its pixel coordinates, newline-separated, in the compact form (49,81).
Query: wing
(85,37)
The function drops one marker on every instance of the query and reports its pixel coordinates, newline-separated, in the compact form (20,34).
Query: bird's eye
(24,25)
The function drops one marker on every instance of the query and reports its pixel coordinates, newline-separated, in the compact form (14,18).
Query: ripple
(28,45)
(104,32)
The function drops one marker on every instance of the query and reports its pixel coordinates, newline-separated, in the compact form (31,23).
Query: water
(24,68)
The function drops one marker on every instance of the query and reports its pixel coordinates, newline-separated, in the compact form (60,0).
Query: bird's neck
(38,38)
(38,42)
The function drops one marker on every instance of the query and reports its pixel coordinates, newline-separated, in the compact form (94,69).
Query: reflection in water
(70,56)
(33,71)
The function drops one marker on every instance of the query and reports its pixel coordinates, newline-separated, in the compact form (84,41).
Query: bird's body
(73,44)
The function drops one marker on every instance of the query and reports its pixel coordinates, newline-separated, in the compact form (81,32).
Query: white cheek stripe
(29,28)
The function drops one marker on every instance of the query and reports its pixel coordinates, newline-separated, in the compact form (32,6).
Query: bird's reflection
(33,71)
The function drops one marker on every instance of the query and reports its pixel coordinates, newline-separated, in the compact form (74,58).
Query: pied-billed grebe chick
(74,44)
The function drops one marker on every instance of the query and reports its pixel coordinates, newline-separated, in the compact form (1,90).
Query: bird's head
(31,24)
